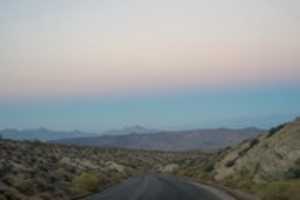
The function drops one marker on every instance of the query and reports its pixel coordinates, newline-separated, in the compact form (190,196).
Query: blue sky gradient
(180,110)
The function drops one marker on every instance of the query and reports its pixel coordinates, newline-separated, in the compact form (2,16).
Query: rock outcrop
(268,157)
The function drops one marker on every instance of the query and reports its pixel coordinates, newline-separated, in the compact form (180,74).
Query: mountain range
(205,139)
(41,134)
(44,134)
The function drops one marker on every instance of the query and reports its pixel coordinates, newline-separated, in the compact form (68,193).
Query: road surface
(153,187)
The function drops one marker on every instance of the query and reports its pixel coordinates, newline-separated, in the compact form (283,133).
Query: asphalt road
(155,187)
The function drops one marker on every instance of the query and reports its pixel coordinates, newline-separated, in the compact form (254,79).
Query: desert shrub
(25,187)
(12,194)
(297,162)
(293,173)
(85,182)
(63,174)
(9,180)
(209,167)
(41,184)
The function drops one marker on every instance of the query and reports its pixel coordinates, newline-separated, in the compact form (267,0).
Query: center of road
(155,187)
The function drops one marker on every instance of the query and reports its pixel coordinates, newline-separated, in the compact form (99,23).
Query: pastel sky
(96,65)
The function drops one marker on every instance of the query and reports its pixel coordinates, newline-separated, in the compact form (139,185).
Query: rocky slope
(267,166)
(269,157)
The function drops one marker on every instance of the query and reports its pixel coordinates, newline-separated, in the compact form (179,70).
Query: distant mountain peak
(136,129)
(41,129)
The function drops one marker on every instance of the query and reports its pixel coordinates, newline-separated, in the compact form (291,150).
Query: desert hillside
(269,157)
(267,166)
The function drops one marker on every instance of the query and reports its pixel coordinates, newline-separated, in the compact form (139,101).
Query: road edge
(237,194)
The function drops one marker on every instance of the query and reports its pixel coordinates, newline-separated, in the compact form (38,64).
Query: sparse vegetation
(86,182)
(37,170)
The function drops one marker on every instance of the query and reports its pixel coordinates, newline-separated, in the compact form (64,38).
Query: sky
(97,65)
